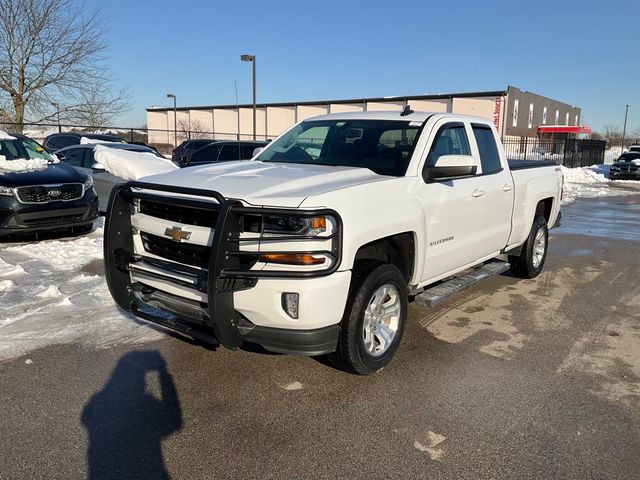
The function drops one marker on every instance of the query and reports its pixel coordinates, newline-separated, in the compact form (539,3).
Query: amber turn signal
(291,258)
(319,223)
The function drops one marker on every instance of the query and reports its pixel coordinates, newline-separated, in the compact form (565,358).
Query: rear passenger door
(497,185)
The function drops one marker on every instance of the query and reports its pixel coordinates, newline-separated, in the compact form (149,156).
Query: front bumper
(227,302)
(18,219)
(624,175)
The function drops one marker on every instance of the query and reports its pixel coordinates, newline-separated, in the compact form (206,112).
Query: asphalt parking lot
(511,379)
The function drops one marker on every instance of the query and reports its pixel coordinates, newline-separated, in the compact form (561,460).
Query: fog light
(290,304)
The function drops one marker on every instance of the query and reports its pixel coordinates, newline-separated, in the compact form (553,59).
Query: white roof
(392,115)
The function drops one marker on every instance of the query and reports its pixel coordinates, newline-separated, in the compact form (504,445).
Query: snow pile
(131,165)
(91,141)
(50,294)
(589,182)
(5,136)
(22,164)
(59,254)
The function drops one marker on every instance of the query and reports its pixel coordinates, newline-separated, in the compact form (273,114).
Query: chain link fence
(568,152)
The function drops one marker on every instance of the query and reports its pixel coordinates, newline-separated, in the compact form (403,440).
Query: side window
(229,152)
(247,151)
(89,159)
(206,154)
(451,140)
(51,144)
(489,156)
(73,156)
(66,140)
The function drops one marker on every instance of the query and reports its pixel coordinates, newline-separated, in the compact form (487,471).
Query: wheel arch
(398,249)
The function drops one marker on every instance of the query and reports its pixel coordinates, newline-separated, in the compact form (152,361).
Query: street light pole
(175,119)
(57,107)
(624,129)
(252,59)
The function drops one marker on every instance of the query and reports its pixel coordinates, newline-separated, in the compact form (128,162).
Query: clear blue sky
(586,53)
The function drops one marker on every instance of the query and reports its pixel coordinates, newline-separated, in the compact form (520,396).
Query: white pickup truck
(316,245)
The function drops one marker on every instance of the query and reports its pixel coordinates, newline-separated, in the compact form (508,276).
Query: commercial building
(515,113)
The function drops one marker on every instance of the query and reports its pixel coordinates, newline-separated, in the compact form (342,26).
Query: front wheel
(533,253)
(373,321)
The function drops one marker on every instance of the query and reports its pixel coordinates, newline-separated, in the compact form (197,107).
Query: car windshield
(23,148)
(627,157)
(383,146)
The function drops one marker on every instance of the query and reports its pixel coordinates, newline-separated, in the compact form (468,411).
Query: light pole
(624,129)
(252,59)
(57,107)
(175,119)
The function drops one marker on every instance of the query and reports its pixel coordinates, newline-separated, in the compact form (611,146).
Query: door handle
(507,187)
(477,193)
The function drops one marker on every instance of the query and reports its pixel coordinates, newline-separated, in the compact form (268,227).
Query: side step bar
(447,289)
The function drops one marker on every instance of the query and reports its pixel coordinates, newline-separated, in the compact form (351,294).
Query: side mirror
(98,166)
(450,166)
(257,151)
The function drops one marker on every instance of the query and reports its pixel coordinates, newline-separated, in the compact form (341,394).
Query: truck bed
(522,164)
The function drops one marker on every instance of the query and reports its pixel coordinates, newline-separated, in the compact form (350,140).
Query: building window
(576,120)
(514,120)
(566,119)
(544,116)
(530,117)
(557,117)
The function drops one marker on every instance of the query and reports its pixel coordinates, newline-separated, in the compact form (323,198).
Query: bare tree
(97,106)
(192,130)
(612,133)
(50,52)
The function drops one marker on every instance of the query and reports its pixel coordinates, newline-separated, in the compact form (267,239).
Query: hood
(54,173)
(266,183)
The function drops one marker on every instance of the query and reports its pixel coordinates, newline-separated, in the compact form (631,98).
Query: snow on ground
(590,182)
(50,295)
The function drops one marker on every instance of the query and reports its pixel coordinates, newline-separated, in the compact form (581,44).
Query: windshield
(383,146)
(627,157)
(22,148)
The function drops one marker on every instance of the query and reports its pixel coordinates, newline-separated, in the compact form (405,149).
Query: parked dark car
(221,151)
(49,196)
(188,147)
(626,167)
(82,158)
(56,141)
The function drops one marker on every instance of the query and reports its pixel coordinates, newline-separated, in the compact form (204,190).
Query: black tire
(351,355)
(524,265)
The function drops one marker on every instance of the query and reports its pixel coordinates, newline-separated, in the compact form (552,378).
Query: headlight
(290,225)
(6,191)
(88,183)
(614,169)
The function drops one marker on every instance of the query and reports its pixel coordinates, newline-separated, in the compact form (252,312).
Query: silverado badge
(177,234)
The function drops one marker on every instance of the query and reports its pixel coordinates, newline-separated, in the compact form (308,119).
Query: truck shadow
(128,419)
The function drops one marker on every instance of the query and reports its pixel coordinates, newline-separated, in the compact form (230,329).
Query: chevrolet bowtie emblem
(177,234)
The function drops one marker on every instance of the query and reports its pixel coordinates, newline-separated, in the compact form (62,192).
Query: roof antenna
(407,111)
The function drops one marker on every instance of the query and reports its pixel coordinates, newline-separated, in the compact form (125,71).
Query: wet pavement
(511,379)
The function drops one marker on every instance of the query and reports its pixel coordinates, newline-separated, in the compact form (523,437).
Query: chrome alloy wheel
(539,247)
(381,320)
